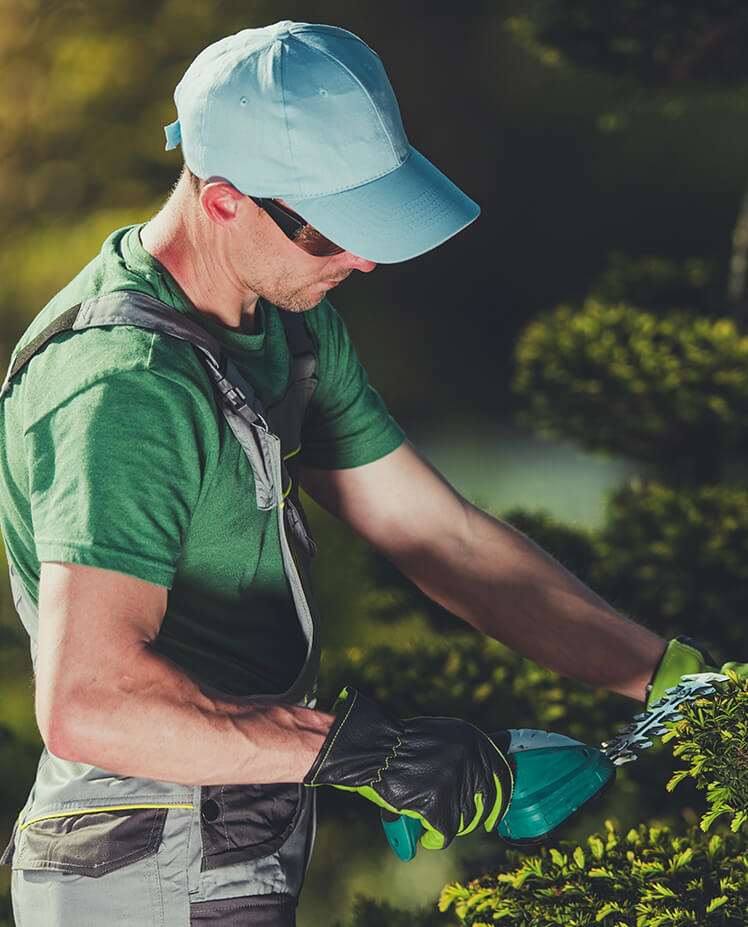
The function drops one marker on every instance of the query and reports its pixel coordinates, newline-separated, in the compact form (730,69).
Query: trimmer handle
(555,777)
(403,834)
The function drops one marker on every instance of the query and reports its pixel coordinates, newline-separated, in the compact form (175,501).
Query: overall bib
(94,849)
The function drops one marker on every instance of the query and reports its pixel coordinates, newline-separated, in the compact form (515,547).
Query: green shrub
(678,558)
(671,390)
(648,878)
(652,877)
(712,737)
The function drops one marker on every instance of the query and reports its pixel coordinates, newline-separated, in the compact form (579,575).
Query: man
(157,419)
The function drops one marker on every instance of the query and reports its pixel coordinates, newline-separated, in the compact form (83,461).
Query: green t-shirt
(112,455)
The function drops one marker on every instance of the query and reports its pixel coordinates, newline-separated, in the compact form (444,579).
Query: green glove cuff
(681,657)
(740,669)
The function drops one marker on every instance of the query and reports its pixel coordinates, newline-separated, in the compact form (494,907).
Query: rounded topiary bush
(671,390)
(711,737)
(678,558)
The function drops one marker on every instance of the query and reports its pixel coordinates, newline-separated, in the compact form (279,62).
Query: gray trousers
(147,868)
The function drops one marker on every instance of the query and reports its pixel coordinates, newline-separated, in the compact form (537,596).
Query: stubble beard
(300,300)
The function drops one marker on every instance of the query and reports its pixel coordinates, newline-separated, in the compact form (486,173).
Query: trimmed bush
(650,877)
(679,559)
(671,390)
(712,737)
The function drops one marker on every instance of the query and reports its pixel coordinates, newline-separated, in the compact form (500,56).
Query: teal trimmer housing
(554,777)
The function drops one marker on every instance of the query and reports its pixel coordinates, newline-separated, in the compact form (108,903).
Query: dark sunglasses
(297,229)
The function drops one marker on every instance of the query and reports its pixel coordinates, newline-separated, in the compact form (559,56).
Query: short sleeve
(347,423)
(115,473)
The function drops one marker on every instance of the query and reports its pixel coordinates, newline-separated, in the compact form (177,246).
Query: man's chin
(300,303)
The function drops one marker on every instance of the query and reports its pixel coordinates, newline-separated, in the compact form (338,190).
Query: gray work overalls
(94,849)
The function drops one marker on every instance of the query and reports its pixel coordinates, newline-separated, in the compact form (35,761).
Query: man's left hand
(683,656)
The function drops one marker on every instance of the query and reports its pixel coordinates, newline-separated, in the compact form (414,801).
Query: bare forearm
(504,585)
(151,720)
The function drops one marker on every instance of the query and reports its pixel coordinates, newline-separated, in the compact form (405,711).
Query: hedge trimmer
(555,776)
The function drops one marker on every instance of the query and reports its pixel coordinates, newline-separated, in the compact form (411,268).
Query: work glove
(684,656)
(445,772)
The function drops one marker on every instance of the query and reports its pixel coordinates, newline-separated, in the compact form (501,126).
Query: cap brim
(395,217)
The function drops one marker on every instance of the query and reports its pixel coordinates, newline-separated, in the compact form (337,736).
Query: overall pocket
(88,843)
(239,823)
(90,867)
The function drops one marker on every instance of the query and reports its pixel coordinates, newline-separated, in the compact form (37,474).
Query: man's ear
(221,201)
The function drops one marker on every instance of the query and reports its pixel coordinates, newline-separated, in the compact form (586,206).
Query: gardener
(158,417)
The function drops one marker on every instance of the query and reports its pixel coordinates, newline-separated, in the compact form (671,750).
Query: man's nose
(358,263)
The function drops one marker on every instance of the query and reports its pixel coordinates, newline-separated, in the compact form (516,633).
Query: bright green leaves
(712,739)
(647,878)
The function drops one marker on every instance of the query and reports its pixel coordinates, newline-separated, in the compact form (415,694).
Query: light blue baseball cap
(305,113)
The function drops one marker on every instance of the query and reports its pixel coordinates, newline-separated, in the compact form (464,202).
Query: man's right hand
(445,772)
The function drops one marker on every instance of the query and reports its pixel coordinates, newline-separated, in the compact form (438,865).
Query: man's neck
(181,245)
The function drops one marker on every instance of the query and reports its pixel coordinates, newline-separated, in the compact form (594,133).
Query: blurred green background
(621,182)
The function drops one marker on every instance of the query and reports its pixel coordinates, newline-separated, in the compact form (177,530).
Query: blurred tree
(659,283)
(671,389)
(679,556)
(657,45)
(665,55)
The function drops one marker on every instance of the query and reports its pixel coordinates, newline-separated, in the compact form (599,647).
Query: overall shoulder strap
(131,307)
(237,400)
(121,307)
(301,345)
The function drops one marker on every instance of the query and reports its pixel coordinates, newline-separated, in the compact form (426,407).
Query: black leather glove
(446,772)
